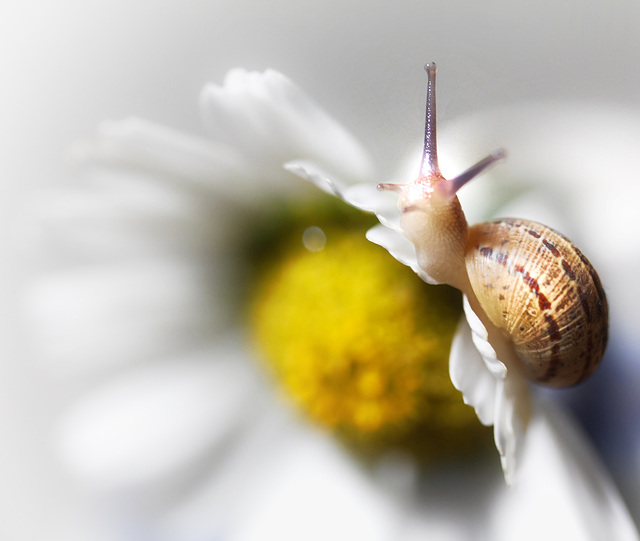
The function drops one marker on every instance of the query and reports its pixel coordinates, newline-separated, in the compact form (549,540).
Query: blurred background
(66,66)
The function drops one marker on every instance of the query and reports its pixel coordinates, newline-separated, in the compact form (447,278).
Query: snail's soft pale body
(537,295)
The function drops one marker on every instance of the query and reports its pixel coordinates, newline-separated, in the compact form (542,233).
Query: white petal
(91,224)
(316,492)
(511,415)
(512,397)
(367,197)
(450,502)
(399,247)
(295,483)
(106,315)
(235,113)
(562,491)
(228,491)
(267,117)
(480,339)
(469,374)
(311,172)
(192,162)
(157,419)
(363,196)
(216,173)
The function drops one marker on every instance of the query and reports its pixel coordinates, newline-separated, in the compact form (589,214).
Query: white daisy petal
(270,119)
(398,246)
(317,134)
(340,501)
(511,399)
(240,114)
(364,195)
(563,485)
(92,224)
(97,316)
(311,172)
(230,490)
(469,374)
(171,155)
(194,167)
(481,341)
(367,197)
(156,420)
(276,463)
(233,112)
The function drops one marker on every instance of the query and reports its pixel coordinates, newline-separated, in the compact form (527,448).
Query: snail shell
(537,286)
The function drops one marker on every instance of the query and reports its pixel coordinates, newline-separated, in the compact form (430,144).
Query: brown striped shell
(537,286)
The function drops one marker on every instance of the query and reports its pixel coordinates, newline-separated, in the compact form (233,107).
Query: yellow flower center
(360,343)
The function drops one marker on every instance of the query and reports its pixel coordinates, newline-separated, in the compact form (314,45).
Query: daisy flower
(150,258)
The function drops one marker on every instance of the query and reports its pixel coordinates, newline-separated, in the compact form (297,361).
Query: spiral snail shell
(537,295)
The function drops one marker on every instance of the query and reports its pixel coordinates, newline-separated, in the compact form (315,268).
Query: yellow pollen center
(360,343)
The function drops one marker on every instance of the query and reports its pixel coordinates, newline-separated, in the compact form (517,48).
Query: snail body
(537,295)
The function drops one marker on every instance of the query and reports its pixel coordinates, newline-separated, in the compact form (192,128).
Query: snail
(539,298)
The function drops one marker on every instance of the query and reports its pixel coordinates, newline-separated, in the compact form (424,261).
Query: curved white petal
(481,341)
(269,118)
(562,491)
(398,246)
(511,415)
(367,197)
(363,196)
(470,376)
(96,316)
(294,482)
(297,483)
(227,492)
(311,172)
(157,419)
(340,501)
(90,224)
(511,399)
(258,121)
(196,165)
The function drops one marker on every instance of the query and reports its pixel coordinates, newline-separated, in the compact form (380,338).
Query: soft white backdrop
(67,65)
